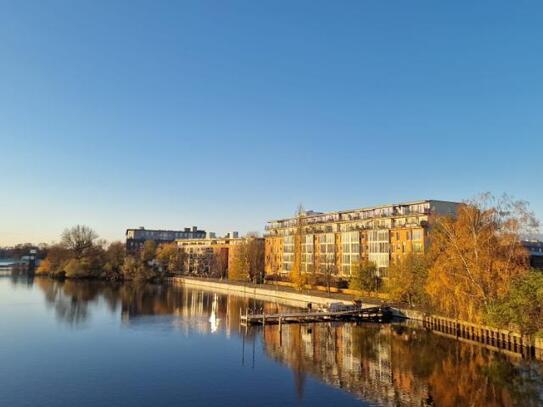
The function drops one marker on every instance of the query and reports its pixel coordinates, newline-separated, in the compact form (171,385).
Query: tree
(53,264)
(364,277)
(476,256)
(521,308)
(296,275)
(44,268)
(254,251)
(138,270)
(218,267)
(94,260)
(115,255)
(247,260)
(328,270)
(78,239)
(407,279)
(74,269)
(130,268)
(149,251)
(77,256)
(170,257)
(238,269)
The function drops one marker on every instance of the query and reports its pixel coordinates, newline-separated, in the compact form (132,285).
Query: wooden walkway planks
(364,314)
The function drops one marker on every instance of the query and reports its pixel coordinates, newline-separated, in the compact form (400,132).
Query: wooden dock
(373,314)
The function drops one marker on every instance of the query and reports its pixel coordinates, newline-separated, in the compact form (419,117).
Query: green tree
(364,277)
(522,307)
(407,279)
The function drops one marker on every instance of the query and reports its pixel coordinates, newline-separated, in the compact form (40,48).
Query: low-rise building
(212,256)
(337,241)
(135,238)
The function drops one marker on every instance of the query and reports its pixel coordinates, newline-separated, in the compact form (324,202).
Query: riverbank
(499,339)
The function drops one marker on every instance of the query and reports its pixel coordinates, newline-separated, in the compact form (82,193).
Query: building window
(327,246)
(379,247)
(307,253)
(350,246)
(288,253)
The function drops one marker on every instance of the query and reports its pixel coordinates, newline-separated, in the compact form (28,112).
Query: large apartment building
(337,241)
(135,238)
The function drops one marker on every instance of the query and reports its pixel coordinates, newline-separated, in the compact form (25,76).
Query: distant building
(336,241)
(135,238)
(11,266)
(535,249)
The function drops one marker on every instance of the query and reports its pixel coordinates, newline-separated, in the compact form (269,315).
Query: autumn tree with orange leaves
(297,276)
(476,256)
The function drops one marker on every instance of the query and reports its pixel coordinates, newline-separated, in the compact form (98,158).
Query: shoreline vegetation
(475,269)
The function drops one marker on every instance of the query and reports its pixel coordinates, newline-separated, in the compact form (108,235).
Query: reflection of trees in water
(70,299)
(388,364)
(405,366)
(73,301)
(471,375)
(22,280)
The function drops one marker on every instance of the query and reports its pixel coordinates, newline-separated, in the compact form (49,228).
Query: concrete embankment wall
(269,292)
(265,293)
(492,337)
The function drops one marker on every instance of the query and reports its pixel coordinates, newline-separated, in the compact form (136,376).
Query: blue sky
(225,114)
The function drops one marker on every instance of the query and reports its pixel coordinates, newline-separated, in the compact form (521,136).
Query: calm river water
(96,344)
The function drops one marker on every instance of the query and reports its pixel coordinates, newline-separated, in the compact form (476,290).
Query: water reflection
(396,365)
(406,366)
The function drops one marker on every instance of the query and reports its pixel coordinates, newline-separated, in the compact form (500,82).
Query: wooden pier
(373,314)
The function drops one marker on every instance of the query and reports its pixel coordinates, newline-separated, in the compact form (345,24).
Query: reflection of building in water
(400,365)
(213,319)
(345,356)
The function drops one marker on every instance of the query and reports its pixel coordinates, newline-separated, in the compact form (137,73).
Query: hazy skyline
(227,114)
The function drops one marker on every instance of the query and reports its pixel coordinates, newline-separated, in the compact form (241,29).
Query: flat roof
(366,209)
(166,230)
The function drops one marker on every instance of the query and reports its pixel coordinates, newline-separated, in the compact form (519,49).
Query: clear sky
(225,114)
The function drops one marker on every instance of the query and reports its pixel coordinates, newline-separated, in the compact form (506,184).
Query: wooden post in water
(263,318)
(281,331)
